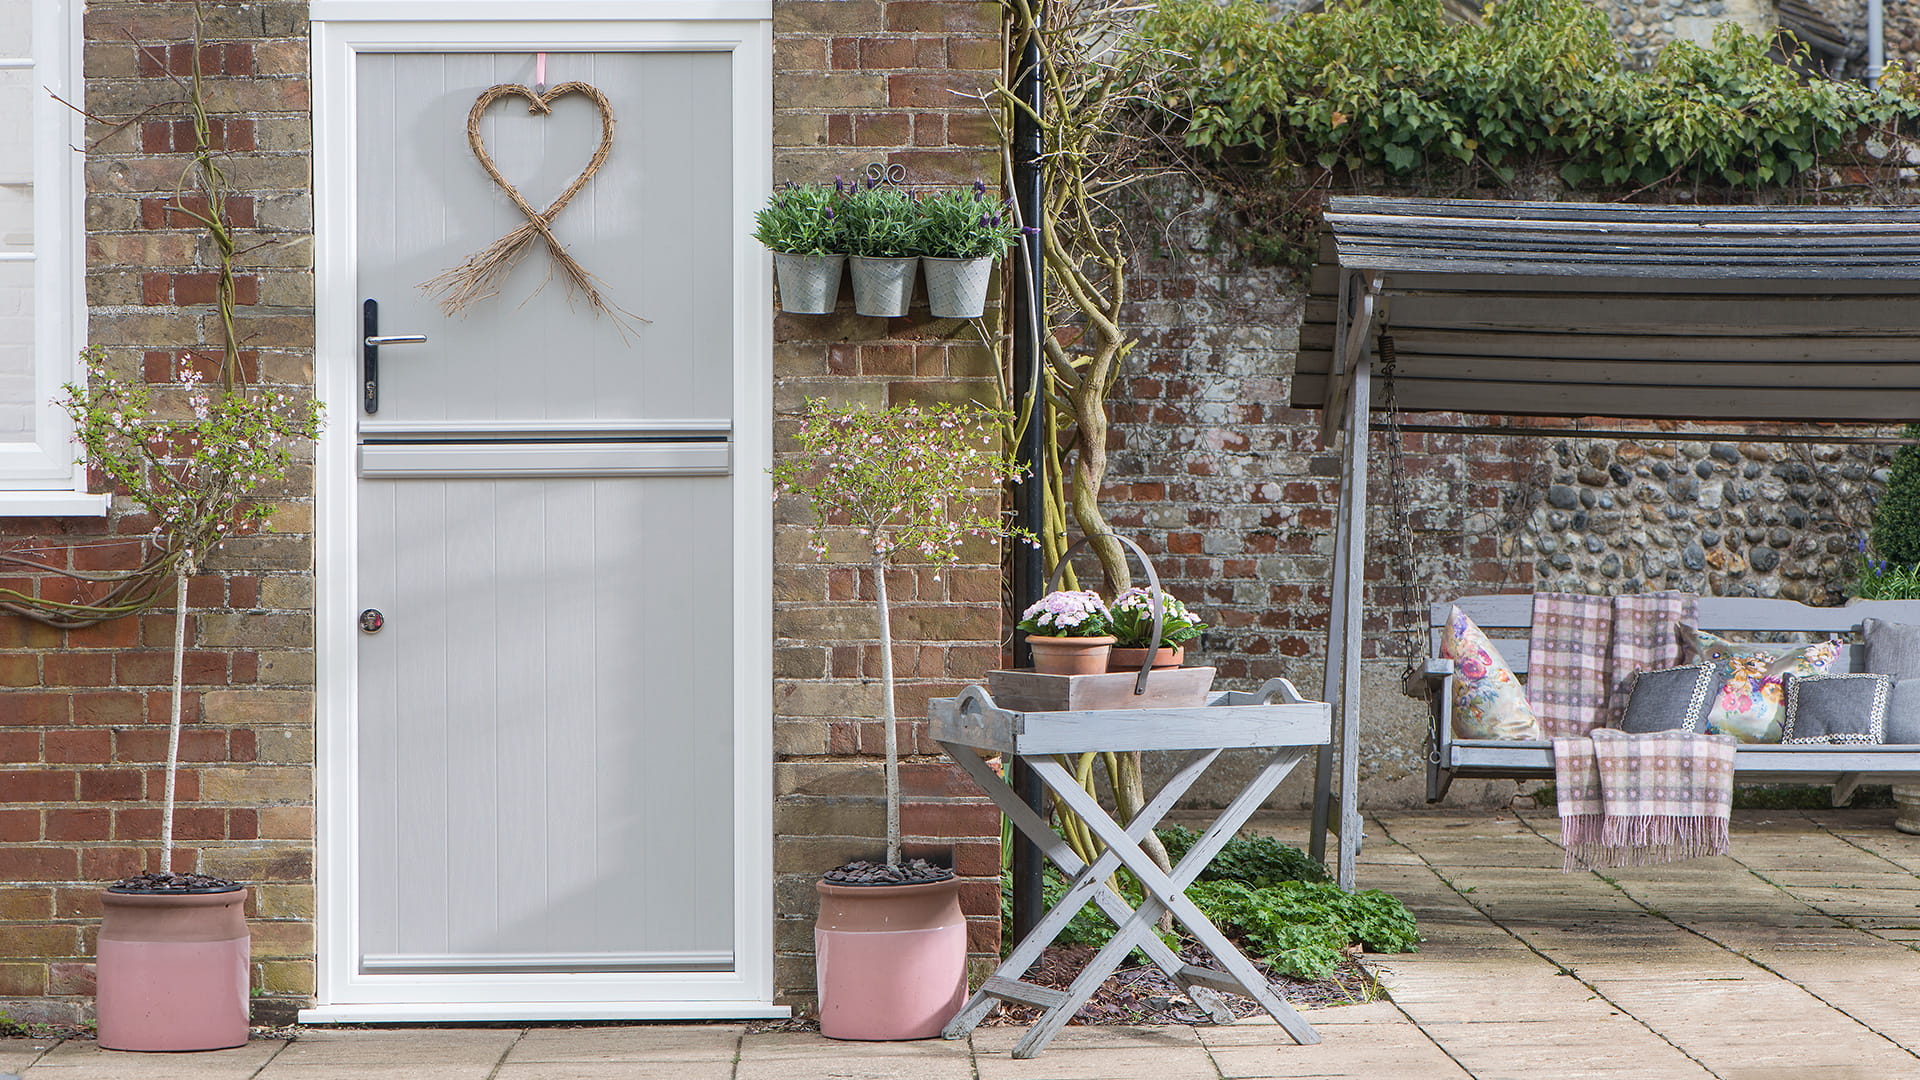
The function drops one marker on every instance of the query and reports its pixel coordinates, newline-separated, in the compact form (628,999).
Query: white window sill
(53,504)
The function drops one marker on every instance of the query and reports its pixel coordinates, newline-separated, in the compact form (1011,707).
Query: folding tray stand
(1276,718)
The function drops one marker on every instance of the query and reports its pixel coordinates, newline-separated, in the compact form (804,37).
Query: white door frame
(341,30)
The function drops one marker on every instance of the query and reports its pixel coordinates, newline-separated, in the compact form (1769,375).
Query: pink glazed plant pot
(890,960)
(172,972)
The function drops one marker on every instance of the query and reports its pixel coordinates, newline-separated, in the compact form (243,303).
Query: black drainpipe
(1029,576)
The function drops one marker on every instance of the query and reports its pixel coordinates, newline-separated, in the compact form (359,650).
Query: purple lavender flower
(979,188)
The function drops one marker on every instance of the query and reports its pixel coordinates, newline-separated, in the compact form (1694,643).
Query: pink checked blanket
(1637,800)
(1584,651)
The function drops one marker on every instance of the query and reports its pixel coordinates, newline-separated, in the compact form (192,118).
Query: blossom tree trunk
(886,709)
(182,570)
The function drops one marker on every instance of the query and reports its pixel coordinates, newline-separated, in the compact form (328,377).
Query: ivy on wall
(1394,88)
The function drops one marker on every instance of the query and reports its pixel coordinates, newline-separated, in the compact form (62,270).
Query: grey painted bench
(1508,620)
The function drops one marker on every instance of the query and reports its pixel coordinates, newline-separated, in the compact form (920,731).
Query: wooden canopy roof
(1616,310)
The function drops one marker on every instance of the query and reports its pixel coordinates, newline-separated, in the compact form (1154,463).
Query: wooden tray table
(971,727)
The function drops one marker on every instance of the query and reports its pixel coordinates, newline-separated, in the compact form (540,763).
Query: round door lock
(371,620)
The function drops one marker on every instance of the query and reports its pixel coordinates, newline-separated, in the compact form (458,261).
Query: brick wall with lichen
(83,713)
(858,81)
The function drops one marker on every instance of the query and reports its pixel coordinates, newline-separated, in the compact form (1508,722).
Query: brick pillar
(858,81)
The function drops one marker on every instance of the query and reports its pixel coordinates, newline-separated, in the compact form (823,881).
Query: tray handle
(1154,604)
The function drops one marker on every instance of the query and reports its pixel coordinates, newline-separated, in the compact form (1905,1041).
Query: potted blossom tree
(962,234)
(905,482)
(172,971)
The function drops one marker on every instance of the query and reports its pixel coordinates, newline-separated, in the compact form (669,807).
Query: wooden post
(1336,616)
(1351,589)
(1352,382)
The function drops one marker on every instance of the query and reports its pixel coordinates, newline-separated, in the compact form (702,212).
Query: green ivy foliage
(1391,85)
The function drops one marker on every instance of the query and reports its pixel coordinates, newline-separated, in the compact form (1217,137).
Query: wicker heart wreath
(479,277)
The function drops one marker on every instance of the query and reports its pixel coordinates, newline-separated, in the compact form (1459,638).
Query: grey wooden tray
(1274,715)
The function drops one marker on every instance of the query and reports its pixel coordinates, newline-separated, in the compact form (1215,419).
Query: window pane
(16,160)
(16,351)
(16,28)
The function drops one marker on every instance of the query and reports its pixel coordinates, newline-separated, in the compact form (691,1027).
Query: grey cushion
(1673,699)
(1903,712)
(1846,709)
(1892,648)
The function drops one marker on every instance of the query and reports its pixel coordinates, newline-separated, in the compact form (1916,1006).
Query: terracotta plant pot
(890,960)
(1131,659)
(1070,655)
(172,972)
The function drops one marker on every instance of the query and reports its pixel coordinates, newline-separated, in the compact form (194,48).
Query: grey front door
(546,756)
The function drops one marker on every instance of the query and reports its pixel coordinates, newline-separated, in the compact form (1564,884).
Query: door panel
(543,735)
(650,225)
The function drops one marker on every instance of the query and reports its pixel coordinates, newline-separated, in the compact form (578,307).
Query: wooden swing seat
(1508,621)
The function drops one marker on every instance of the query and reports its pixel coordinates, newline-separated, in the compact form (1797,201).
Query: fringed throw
(1584,650)
(1638,800)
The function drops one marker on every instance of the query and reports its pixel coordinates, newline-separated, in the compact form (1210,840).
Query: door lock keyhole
(371,620)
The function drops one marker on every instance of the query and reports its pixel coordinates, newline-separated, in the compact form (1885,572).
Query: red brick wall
(83,713)
(858,81)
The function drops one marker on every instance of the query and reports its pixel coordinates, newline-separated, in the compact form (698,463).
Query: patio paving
(1791,959)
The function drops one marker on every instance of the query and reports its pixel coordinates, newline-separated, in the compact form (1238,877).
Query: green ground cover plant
(1274,901)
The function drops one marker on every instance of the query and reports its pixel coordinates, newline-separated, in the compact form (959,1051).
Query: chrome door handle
(370,343)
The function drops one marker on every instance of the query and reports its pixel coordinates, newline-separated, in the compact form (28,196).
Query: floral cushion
(1751,705)
(1488,702)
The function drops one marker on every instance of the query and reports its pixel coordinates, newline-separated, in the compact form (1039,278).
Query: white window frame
(44,477)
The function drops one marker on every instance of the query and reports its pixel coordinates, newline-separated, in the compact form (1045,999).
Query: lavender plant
(882,221)
(803,219)
(966,225)
(194,464)
(906,482)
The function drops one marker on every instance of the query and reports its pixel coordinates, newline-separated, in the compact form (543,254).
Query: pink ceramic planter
(172,971)
(890,960)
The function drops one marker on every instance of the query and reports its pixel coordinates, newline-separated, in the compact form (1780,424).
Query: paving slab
(386,1070)
(17,1054)
(404,1046)
(666,1042)
(715,1069)
(1106,1063)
